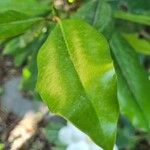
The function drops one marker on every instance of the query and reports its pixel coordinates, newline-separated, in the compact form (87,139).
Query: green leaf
(77,80)
(13,23)
(133,83)
(141,19)
(135,6)
(141,45)
(98,14)
(30,7)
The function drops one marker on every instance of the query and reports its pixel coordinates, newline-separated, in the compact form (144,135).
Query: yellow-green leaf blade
(76,79)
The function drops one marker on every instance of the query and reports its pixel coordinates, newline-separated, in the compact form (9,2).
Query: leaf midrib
(68,49)
(96,12)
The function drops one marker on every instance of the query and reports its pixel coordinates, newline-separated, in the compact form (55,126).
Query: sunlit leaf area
(74,74)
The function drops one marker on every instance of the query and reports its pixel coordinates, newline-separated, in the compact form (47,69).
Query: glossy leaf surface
(133,83)
(13,23)
(76,79)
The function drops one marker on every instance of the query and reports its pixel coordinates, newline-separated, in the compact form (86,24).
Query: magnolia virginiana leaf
(140,45)
(30,7)
(13,23)
(77,80)
(97,13)
(142,19)
(133,83)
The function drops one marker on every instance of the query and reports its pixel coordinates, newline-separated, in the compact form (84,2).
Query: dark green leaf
(98,14)
(133,83)
(77,80)
(13,23)
(135,6)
